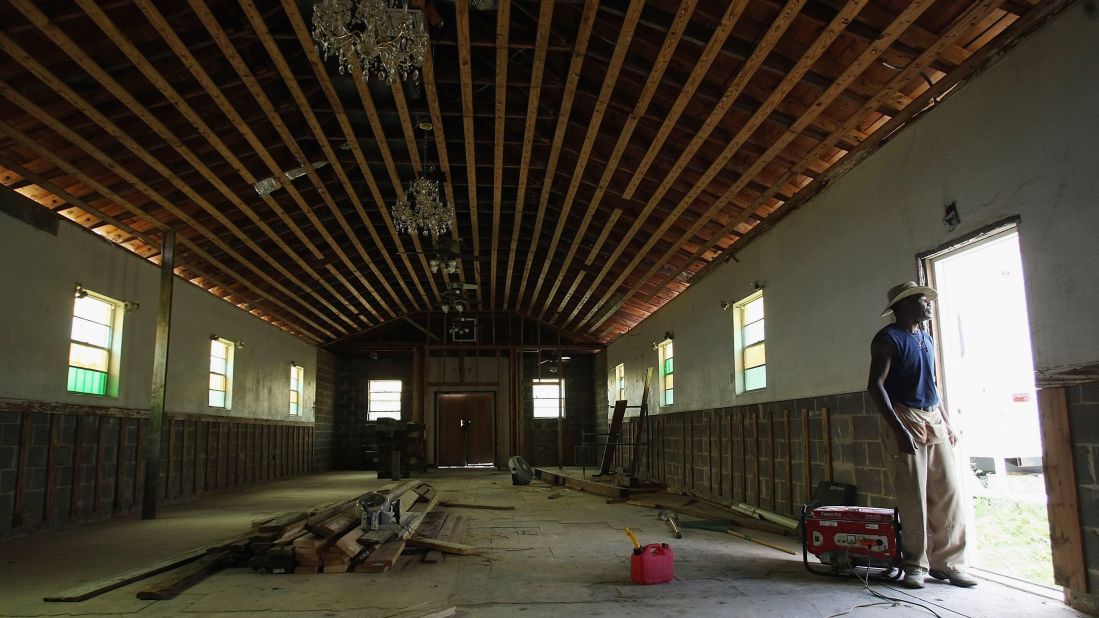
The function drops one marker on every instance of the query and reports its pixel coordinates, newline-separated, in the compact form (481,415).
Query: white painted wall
(38,272)
(1021,140)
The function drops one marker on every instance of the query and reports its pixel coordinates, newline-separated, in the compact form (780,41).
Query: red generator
(850,537)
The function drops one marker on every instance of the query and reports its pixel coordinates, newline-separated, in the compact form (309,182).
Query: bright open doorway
(988,388)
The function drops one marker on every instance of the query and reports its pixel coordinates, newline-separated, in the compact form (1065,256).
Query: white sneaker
(913,577)
(957,577)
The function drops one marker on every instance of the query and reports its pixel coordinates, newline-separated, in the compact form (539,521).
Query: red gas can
(653,565)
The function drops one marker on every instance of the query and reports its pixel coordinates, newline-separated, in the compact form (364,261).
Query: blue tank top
(911,379)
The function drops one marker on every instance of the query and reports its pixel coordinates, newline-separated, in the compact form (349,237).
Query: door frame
(1058,469)
(435,413)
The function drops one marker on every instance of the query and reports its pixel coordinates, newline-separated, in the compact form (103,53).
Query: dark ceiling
(599,154)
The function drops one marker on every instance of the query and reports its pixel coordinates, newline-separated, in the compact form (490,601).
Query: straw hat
(904,290)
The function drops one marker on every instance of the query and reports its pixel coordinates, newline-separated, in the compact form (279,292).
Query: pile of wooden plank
(333,541)
(323,539)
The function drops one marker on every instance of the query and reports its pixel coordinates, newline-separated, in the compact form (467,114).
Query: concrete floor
(549,557)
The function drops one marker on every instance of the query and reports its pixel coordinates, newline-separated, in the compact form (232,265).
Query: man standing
(919,441)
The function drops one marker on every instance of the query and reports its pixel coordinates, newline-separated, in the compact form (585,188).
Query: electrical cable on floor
(886,600)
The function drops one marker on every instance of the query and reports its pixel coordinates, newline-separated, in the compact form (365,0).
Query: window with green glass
(667,372)
(221,373)
(751,343)
(92,344)
(297,377)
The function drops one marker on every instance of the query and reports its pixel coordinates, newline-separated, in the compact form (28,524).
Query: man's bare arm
(881,358)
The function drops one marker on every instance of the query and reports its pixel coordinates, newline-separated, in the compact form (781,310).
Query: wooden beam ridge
(250,82)
(655,79)
(545,20)
(587,22)
(853,71)
(717,41)
(273,51)
(159,378)
(89,65)
(736,87)
(610,80)
(107,193)
(915,108)
(62,129)
(503,23)
(465,63)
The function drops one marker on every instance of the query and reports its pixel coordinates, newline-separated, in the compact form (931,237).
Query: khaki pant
(929,496)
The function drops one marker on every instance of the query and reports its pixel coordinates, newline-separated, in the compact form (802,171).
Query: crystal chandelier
(380,37)
(423,209)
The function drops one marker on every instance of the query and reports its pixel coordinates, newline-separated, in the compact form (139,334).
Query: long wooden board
(614,436)
(92,589)
(444,546)
(171,585)
(611,491)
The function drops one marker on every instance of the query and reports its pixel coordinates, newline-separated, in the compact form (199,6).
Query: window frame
(230,358)
(374,415)
(559,410)
(620,381)
(297,383)
(113,349)
(743,346)
(663,356)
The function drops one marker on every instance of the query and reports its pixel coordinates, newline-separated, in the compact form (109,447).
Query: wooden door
(464,428)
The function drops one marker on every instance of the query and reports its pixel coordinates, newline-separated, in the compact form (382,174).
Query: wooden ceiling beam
(534,95)
(214,92)
(746,72)
(129,177)
(743,76)
(259,25)
(88,64)
(587,21)
(107,193)
(503,24)
(610,79)
(436,111)
(321,76)
(654,79)
(917,106)
(464,69)
(853,71)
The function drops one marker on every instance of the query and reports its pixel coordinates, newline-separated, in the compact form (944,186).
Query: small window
(95,344)
(221,372)
(750,344)
(297,377)
(548,397)
(667,371)
(620,382)
(384,400)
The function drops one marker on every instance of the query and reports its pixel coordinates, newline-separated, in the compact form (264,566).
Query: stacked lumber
(323,539)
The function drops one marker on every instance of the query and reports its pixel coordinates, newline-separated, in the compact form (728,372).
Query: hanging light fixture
(424,210)
(383,38)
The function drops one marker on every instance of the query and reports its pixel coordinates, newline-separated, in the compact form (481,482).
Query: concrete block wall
(68,464)
(715,453)
(351,403)
(1083,413)
(540,447)
(324,415)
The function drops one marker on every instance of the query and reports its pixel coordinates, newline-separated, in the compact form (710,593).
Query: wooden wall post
(160,375)
(1063,503)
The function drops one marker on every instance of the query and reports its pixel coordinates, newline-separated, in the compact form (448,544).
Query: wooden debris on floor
(324,539)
